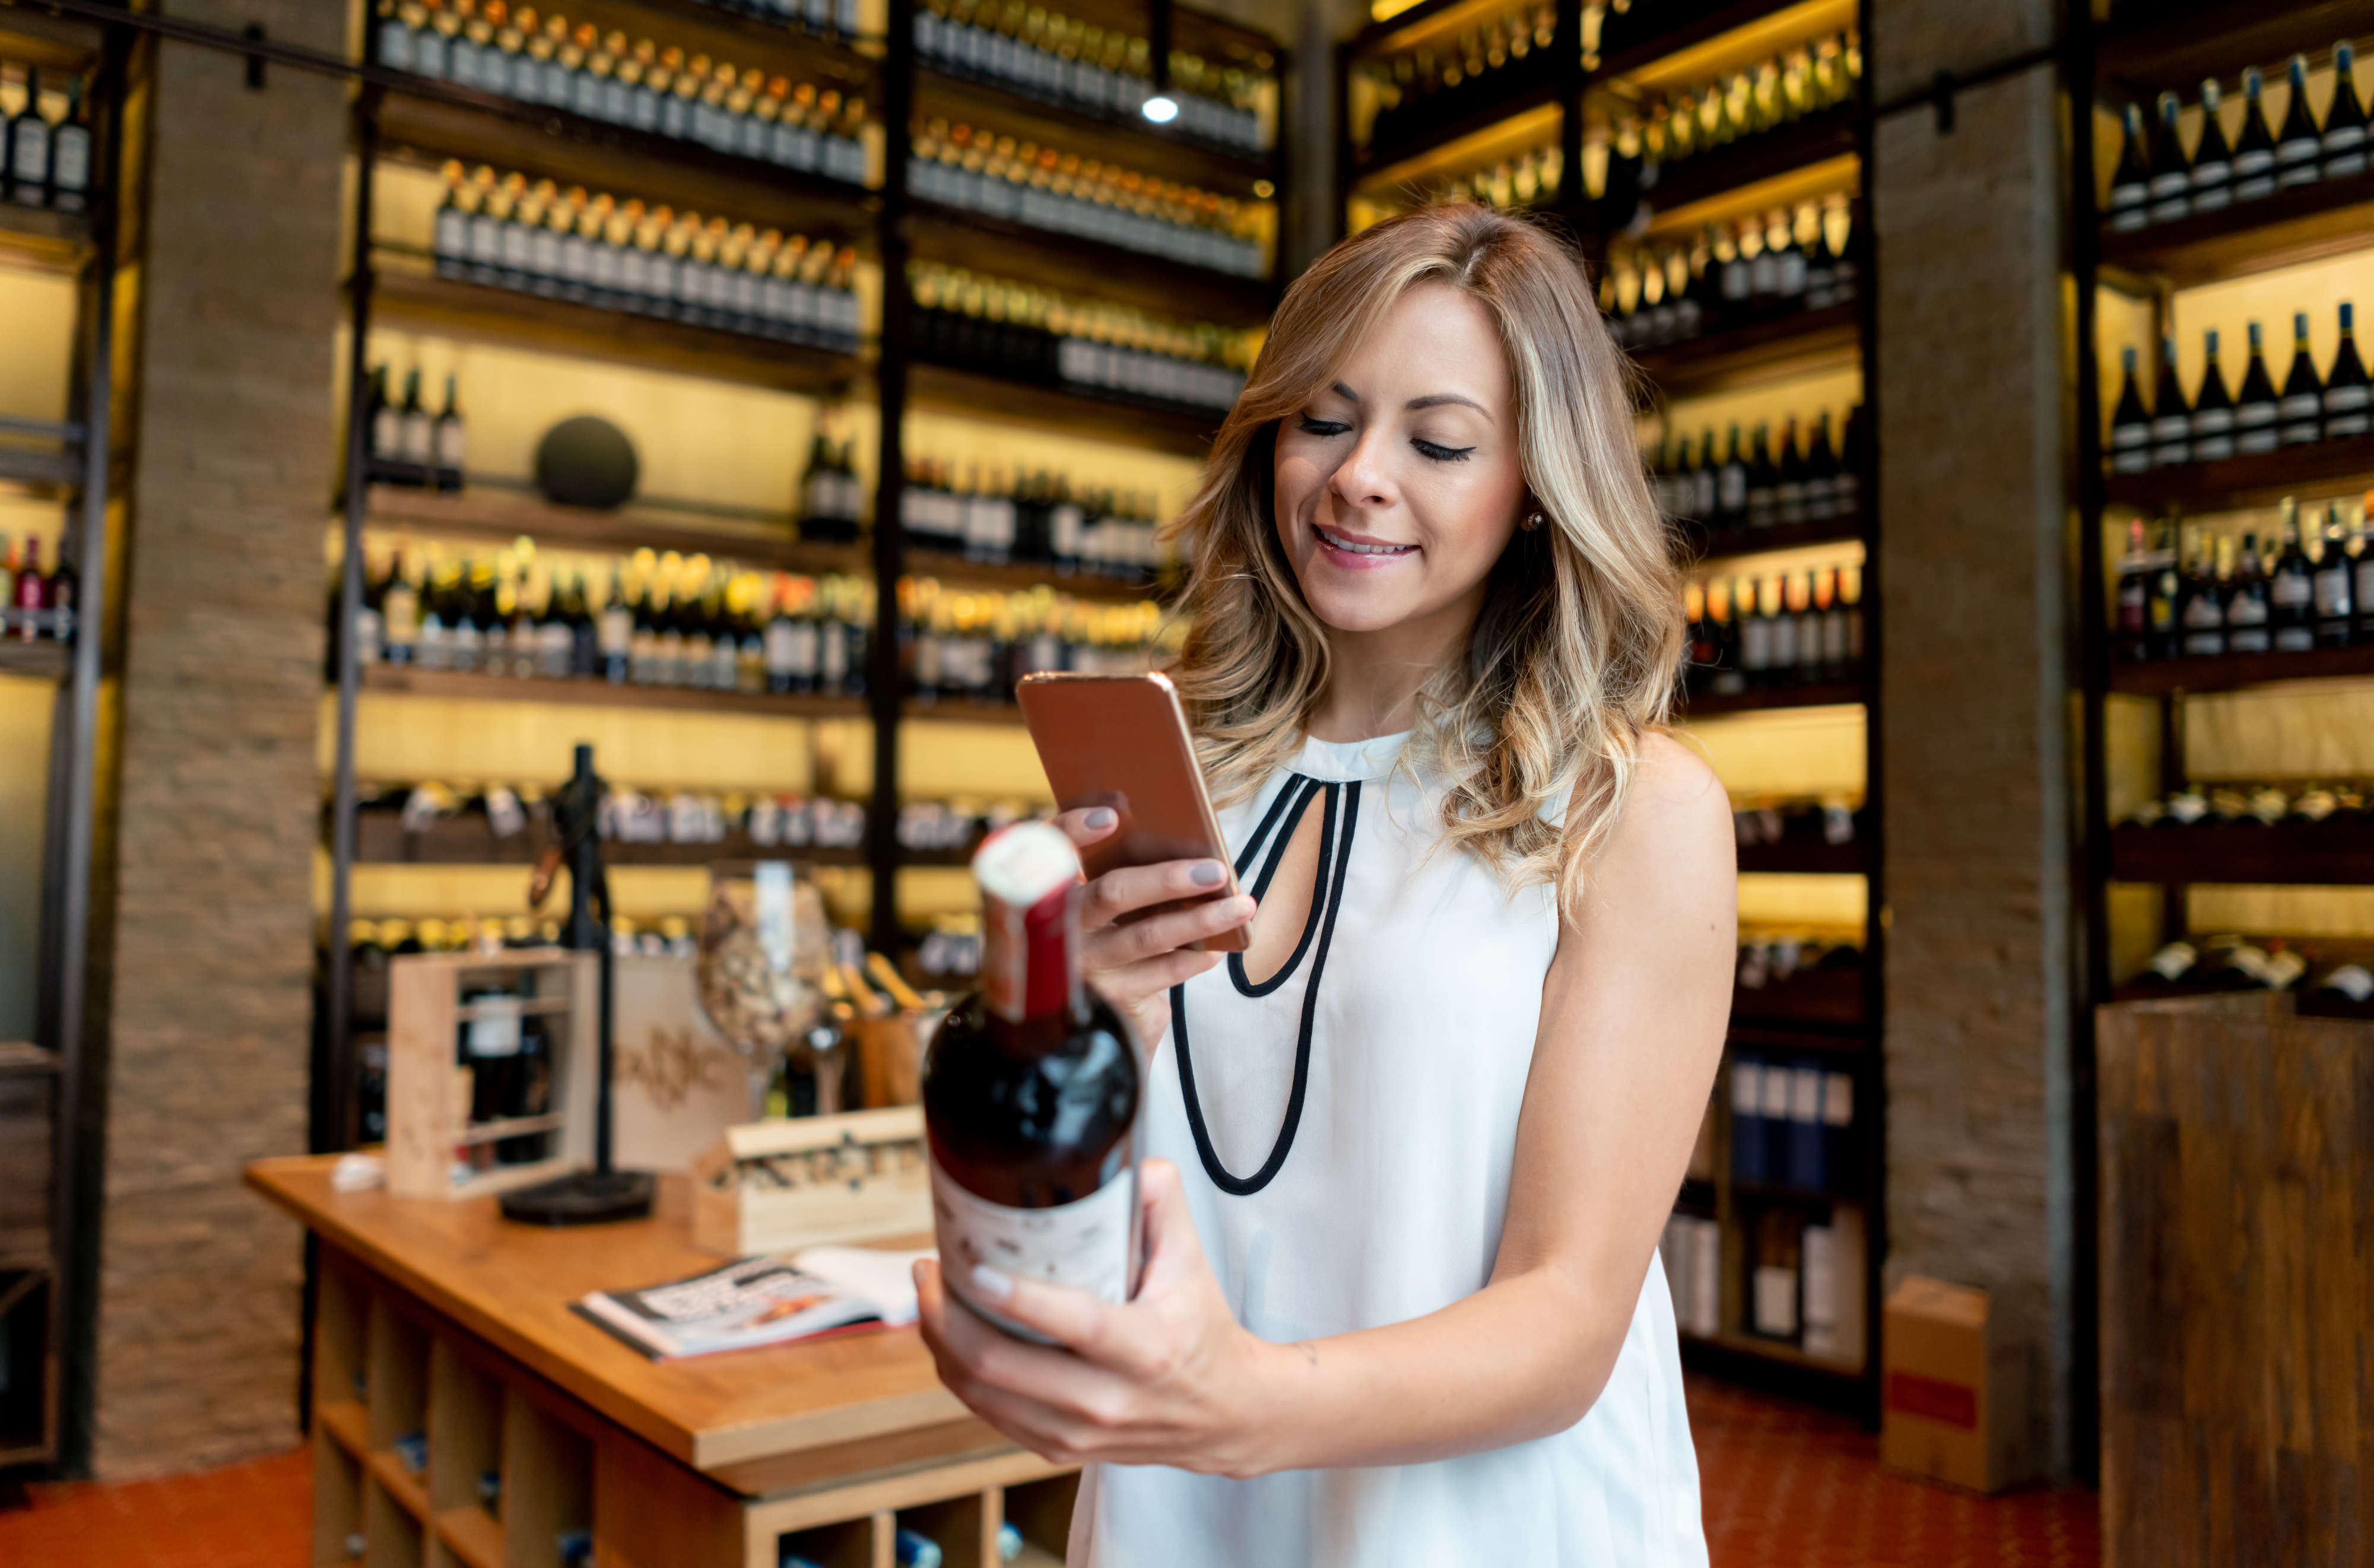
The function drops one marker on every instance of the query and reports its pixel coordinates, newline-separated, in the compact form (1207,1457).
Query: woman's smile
(1359,552)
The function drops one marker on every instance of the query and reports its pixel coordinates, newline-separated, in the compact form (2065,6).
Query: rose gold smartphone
(1121,740)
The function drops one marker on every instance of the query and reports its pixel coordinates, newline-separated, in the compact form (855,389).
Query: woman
(1418,1141)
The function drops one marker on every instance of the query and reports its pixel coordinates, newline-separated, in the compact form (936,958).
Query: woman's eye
(1317,427)
(1427,449)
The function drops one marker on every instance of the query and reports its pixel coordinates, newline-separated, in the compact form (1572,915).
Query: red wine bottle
(2131,425)
(2255,407)
(2131,183)
(1031,1093)
(2171,170)
(2255,149)
(2299,146)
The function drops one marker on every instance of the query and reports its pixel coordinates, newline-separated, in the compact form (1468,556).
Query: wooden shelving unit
(36,661)
(1818,694)
(2236,672)
(2330,467)
(411,681)
(469,840)
(1059,409)
(956,236)
(1711,544)
(1761,353)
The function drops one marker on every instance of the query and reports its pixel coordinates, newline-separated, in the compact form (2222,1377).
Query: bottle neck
(1031,956)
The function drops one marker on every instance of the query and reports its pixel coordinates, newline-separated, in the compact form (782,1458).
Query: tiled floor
(1785,1488)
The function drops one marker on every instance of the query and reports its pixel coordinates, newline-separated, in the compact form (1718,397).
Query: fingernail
(1207,875)
(1102,817)
(991,1283)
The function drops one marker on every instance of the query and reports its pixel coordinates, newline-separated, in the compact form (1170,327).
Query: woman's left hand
(1168,1378)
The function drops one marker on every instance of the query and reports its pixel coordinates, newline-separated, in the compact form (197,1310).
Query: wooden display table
(441,1327)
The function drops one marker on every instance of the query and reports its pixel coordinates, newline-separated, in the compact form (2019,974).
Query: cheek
(1297,477)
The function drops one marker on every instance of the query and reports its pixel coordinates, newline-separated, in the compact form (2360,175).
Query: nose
(1364,480)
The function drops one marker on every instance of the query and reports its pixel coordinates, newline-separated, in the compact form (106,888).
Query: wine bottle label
(2290,589)
(2348,397)
(71,162)
(1082,1245)
(2333,591)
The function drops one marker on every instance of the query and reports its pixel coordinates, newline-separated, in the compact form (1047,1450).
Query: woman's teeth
(1348,547)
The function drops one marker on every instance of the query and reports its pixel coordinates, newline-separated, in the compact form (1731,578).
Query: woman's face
(1399,485)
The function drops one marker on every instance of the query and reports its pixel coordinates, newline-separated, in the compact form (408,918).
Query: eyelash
(1426,449)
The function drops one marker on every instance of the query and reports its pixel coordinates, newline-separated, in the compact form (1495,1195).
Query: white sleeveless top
(1346,1132)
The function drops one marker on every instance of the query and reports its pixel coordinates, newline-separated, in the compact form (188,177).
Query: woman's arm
(1633,1014)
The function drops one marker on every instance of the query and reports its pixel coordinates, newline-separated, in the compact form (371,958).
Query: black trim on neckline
(1269,819)
(1245,1186)
(1237,976)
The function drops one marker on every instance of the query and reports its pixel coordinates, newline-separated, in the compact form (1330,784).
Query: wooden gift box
(428,1104)
(775,1185)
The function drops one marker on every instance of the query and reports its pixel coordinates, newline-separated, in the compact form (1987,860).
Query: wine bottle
(1788,495)
(2171,426)
(1763,482)
(28,147)
(2301,408)
(70,154)
(2164,607)
(2212,159)
(2132,616)
(2248,611)
(615,632)
(2299,146)
(2171,171)
(2255,149)
(1730,487)
(2344,141)
(2346,399)
(2360,551)
(2201,608)
(451,440)
(2333,586)
(1822,472)
(2291,590)
(399,614)
(386,425)
(2255,407)
(2212,421)
(2130,422)
(416,432)
(2131,183)
(1030,1094)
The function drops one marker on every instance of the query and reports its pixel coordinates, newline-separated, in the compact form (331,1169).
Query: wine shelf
(2232,672)
(1385,158)
(2319,853)
(442,121)
(472,1536)
(43,473)
(402,296)
(41,661)
(408,681)
(1712,24)
(483,515)
(1819,694)
(1020,575)
(1761,352)
(854,61)
(2306,223)
(954,236)
(47,238)
(1059,409)
(1833,997)
(18,1056)
(347,1423)
(467,840)
(2260,479)
(1817,139)
(1707,545)
(403,1488)
(1806,856)
(2176,46)
(944,90)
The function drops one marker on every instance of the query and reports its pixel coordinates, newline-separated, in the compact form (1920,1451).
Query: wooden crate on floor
(2237,1161)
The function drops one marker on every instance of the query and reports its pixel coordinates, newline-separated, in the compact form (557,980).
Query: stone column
(1974,761)
(207,1039)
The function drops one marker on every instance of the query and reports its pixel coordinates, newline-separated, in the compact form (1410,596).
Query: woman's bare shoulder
(1676,822)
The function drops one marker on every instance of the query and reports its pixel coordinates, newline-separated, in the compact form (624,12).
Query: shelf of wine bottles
(1743,499)
(46,163)
(2191,597)
(499,824)
(501,516)
(1817,836)
(832,21)
(1448,83)
(1808,84)
(1791,980)
(1761,276)
(577,79)
(965,652)
(1032,526)
(1645,30)
(1102,74)
(2309,832)
(1059,191)
(625,257)
(36,606)
(2326,978)
(2217,423)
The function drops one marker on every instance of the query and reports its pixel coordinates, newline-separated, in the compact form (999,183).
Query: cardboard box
(1953,1389)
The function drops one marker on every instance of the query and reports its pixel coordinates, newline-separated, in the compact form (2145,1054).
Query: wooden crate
(427,1108)
(2237,1291)
(861,1176)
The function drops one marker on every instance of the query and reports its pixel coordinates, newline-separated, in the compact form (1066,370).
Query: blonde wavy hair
(1573,657)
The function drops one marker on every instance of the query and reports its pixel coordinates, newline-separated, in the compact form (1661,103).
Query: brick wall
(197,1305)
(1974,753)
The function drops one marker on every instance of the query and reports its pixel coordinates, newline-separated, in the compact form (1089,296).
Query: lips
(1373,550)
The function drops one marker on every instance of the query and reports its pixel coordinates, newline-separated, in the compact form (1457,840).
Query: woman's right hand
(1134,965)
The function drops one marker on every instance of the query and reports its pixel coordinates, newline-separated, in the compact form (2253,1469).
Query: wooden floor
(1785,1488)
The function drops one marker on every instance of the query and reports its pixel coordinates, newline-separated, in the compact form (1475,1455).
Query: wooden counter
(439,1324)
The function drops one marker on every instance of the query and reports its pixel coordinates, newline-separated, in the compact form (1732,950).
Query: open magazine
(761,1300)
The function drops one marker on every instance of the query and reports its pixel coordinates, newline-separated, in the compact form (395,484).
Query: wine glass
(764,946)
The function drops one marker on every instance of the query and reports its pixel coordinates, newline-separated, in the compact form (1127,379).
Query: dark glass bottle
(1822,472)
(2345,397)
(2200,605)
(2300,147)
(2171,171)
(2212,159)
(1788,495)
(2255,407)
(2171,425)
(1731,485)
(2130,422)
(2301,410)
(29,148)
(2255,149)
(2212,420)
(2249,614)
(2131,185)
(1031,1094)
(2334,585)
(70,165)
(2131,640)
(2165,604)
(2291,589)
(1763,482)
(2344,141)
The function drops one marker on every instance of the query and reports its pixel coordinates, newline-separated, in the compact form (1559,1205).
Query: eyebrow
(1432,400)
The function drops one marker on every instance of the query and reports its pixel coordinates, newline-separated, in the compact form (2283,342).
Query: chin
(1352,609)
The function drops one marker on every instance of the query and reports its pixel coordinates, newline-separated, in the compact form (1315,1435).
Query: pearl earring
(1531,523)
